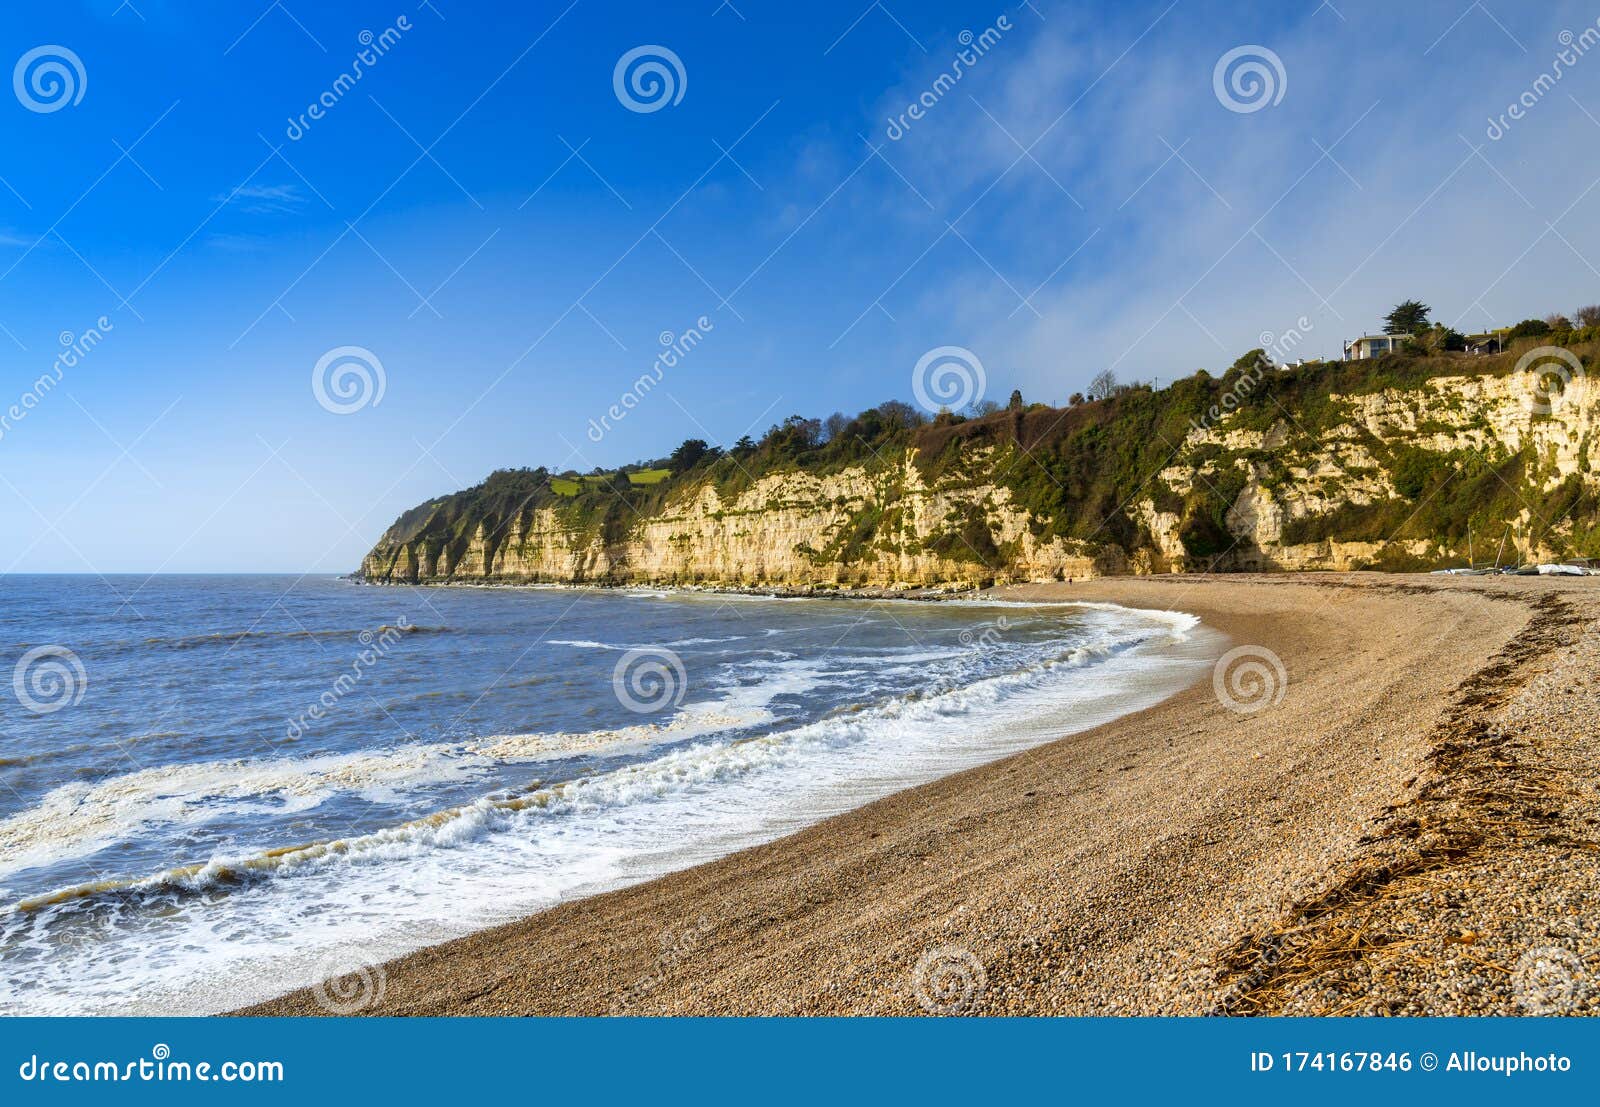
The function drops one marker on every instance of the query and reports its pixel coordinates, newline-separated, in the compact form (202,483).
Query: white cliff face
(1482,412)
(1256,515)
(1162,526)
(888,527)
(787,529)
(1489,415)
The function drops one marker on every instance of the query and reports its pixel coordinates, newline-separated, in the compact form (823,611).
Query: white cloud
(261,199)
(1249,227)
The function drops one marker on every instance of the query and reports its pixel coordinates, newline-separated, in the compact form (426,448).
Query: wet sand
(1395,833)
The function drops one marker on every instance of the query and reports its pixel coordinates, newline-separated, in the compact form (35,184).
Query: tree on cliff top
(1408,317)
(1104,385)
(691,453)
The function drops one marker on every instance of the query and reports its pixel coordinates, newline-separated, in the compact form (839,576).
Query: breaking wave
(716,776)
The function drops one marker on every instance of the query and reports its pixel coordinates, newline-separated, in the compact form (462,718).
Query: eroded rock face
(1485,415)
(785,530)
(888,527)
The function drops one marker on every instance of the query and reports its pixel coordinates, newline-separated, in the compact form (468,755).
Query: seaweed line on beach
(1488,791)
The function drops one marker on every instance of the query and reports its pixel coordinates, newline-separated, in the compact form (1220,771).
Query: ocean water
(214,789)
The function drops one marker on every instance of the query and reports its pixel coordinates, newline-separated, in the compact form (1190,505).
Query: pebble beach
(1388,807)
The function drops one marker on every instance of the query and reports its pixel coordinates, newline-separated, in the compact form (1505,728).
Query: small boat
(1552,570)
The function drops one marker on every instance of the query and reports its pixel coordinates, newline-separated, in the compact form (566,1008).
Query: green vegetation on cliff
(1203,454)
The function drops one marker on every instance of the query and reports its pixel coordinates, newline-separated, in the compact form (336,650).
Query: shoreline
(1129,868)
(932,592)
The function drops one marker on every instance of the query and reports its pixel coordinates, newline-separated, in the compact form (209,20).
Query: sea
(214,789)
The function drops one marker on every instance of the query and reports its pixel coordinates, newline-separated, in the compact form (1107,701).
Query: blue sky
(484,214)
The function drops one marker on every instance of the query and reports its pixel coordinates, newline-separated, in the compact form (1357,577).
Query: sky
(286,327)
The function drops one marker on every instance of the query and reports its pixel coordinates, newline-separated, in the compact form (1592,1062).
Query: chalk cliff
(1409,467)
